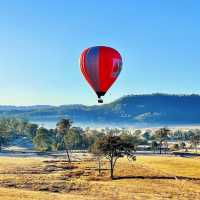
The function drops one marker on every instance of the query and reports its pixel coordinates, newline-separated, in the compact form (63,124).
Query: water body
(51,124)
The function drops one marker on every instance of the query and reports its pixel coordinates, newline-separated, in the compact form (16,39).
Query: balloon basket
(100,100)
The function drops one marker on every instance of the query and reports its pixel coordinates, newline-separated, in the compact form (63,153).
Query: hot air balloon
(100,66)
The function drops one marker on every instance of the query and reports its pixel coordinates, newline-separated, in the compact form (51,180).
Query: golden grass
(83,182)
(19,194)
(176,166)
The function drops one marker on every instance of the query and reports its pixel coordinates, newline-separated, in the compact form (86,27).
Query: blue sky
(41,41)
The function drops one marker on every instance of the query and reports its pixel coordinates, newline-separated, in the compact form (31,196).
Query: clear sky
(41,41)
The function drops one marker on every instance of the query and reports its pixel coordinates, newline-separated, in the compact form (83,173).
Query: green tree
(183,146)
(20,126)
(176,146)
(31,130)
(62,128)
(6,132)
(195,139)
(2,141)
(161,135)
(113,148)
(128,137)
(178,135)
(154,146)
(42,140)
(147,135)
(15,126)
(138,133)
(74,138)
(91,136)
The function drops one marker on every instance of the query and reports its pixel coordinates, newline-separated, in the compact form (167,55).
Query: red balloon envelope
(100,66)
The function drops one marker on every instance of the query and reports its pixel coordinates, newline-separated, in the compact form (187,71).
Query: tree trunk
(68,157)
(160,147)
(99,165)
(111,168)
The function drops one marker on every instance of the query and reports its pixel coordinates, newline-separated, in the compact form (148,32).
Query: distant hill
(154,108)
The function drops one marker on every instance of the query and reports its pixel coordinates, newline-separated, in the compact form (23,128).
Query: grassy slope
(19,172)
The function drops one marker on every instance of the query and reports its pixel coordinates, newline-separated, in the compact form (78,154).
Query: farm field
(150,177)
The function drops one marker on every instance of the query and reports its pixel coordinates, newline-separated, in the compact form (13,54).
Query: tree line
(66,136)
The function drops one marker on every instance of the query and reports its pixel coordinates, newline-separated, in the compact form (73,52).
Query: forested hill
(155,108)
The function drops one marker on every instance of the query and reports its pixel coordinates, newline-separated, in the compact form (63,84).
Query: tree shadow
(157,177)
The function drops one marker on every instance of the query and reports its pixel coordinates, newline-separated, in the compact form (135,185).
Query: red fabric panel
(110,67)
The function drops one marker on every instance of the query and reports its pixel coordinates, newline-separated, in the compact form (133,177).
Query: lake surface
(51,124)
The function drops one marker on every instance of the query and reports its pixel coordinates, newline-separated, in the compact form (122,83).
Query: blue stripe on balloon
(92,64)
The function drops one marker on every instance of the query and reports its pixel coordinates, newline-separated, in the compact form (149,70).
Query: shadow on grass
(157,177)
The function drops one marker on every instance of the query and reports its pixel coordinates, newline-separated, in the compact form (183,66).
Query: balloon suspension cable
(100,100)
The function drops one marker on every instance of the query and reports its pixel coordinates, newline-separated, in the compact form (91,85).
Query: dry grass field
(150,177)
